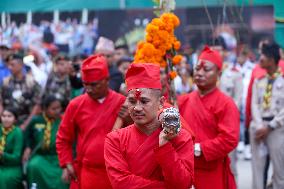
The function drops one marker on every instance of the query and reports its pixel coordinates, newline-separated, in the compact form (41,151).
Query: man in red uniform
(142,155)
(87,120)
(214,119)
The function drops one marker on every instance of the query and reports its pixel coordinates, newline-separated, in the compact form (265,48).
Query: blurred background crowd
(41,52)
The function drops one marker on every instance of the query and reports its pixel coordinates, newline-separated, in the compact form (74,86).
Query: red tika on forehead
(137,94)
(212,56)
(202,64)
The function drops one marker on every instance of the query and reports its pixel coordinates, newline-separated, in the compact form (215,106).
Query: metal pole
(56,16)
(3,20)
(8,19)
(29,17)
(84,18)
(122,4)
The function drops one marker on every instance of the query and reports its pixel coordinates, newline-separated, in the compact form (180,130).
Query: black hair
(219,41)
(271,50)
(79,57)
(60,57)
(4,47)
(47,100)
(124,59)
(12,110)
(15,56)
(124,46)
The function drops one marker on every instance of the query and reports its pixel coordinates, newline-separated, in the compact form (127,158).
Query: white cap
(105,44)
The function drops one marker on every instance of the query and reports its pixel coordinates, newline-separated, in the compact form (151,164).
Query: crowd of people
(79,115)
(68,36)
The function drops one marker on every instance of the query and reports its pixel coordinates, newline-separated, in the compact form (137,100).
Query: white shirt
(246,71)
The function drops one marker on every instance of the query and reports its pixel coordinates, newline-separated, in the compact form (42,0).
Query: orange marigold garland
(160,47)
(159,41)
(173,74)
(177,59)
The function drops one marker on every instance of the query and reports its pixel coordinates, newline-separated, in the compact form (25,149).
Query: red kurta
(135,160)
(88,122)
(214,119)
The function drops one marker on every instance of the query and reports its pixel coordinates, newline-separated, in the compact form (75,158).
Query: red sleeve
(228,134)
(248,104)
(66,136)
(118,171)
(185,125)
(177,165)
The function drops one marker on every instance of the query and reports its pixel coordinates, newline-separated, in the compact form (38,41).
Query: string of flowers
(160,47)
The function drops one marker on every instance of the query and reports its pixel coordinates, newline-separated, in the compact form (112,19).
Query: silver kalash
(170,119)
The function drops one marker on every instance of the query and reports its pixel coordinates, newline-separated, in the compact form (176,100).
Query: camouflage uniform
(22,95)
(272,115)
(231,83)
(59,88)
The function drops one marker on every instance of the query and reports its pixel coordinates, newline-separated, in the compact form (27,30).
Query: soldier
(20,91)
(58,83)
(267,126)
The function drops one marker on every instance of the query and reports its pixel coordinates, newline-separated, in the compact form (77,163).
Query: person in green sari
(43,169)
(11,147)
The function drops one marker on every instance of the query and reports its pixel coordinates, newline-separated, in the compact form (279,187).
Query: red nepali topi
(143,75)
(212,56)
(94,68)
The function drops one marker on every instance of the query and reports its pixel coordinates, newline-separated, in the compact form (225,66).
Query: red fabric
(143,75)
(212,56)
(93,178)
(134,160)
(88,122)
(281,64)
(94,68)
(257,73)
(214,119)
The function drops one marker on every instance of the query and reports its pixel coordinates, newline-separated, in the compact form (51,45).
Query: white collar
(101,100)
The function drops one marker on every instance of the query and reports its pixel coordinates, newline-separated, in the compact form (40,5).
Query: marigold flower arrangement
(160,46)
(160,43)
